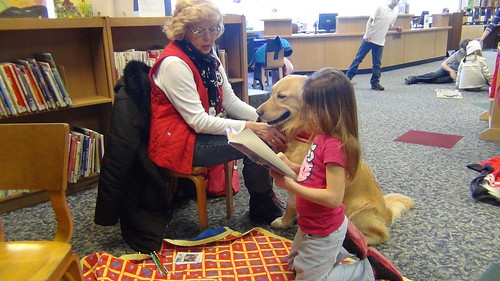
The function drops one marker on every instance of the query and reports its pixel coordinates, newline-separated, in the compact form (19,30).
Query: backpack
(215,179)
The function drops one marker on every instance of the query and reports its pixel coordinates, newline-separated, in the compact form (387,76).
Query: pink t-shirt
(313,218)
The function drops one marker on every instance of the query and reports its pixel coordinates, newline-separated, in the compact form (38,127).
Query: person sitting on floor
(473,73)
(447,73)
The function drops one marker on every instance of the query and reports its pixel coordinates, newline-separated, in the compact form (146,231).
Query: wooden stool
(196,177)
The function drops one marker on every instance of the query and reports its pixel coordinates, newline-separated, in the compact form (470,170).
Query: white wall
(307,10)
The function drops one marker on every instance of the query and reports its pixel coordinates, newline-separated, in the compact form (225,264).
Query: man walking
(377,27)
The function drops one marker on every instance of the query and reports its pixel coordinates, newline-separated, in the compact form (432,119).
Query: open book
(252,146)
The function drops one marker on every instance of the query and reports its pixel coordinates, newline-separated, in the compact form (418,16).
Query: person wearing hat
(473,72)
(447,73)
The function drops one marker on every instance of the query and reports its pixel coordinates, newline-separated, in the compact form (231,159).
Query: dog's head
(283,107)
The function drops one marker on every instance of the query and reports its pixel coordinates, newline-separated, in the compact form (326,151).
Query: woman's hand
(269,134)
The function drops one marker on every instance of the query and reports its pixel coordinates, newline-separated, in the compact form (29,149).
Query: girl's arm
(331,197)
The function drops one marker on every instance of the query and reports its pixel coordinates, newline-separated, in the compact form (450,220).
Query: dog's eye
(280,96)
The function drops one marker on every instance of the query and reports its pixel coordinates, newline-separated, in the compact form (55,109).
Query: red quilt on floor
(255,255)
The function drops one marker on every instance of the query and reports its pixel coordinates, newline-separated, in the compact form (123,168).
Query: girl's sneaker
(382,267)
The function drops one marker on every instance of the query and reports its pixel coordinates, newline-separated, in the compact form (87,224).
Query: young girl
(330,114)
(473,73)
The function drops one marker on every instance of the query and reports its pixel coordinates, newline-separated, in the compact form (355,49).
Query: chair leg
(228,169)
(262,78)
(201,198)
(74,270)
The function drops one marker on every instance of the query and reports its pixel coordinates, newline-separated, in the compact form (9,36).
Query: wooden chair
(273,69)
(35,157)
(196,177)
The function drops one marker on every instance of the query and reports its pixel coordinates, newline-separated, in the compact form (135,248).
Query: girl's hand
(269,134)
(279,180)
(293,166)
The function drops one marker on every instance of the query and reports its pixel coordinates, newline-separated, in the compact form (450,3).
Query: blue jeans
(440,76)
(212,150)
(363,50)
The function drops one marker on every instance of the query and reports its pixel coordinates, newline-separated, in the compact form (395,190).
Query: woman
(189,92)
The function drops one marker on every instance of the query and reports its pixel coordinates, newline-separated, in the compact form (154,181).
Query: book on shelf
(86,151)
(51,83)
(26,89)
(73,142)
(75,168)
(9,92)
(12,86)
(6,97)
(3,109)
(35,68)
(48,58)
(223,58)
(253,146)
(121,58)
(25,67)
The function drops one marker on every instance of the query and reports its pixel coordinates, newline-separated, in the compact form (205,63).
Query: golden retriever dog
(365,205)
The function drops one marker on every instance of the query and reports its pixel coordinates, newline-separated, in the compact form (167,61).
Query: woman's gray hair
(188,12)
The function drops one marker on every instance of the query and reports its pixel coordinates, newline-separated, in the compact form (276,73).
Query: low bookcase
(83,49)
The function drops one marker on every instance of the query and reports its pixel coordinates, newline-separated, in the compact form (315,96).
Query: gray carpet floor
(447,236)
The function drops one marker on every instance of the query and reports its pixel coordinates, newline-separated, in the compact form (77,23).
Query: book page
(252,146)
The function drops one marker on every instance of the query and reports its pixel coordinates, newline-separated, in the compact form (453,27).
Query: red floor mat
(429,139)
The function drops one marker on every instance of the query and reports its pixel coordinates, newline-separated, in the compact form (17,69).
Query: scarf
(206,65)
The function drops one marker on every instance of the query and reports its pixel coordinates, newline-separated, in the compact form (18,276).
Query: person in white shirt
(190,91)
(377,27)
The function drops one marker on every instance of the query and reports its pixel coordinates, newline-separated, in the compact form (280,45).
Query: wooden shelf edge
(485,116)
(77,103)
(157,21)
(29,199)
(490,134)
(30,23)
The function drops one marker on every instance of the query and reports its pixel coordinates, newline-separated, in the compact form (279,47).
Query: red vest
(171,141)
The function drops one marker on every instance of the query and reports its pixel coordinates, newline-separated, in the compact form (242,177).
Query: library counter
(314,51)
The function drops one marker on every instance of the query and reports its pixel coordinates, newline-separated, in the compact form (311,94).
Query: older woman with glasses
(190,90)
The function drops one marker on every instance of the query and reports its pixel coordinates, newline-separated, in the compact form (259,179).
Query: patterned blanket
(217,254)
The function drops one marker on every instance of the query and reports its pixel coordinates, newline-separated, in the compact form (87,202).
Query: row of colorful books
(85,153)
(122,58)
(86,148)
(31,85)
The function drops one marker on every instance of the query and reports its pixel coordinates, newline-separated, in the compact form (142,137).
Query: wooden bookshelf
(492,115)
(83,50)
(79,47)
(144,33)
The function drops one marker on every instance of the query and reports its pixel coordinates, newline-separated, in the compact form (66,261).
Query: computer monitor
(422,18)
(328,22)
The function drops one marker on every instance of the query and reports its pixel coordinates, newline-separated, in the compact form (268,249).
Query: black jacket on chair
(131,188)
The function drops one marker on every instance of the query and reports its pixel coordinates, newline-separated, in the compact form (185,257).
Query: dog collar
(303,137)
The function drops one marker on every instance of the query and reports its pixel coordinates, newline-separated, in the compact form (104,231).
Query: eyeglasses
(212,31)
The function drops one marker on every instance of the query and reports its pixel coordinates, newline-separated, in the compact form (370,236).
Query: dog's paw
(278,223)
